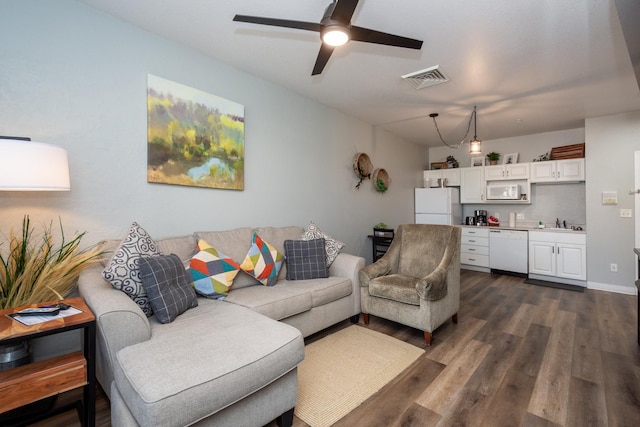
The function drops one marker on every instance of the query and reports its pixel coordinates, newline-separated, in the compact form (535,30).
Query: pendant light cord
(434,115)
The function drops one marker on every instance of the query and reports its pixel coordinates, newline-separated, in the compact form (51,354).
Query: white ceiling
(529,66)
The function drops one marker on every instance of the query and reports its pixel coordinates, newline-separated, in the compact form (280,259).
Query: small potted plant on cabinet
(493,158)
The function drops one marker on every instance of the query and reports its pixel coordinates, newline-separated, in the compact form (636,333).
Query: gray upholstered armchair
(417,282)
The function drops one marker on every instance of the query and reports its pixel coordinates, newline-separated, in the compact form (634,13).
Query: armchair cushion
(396,287)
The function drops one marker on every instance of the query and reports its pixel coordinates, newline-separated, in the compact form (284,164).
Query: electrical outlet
(626,213)
(614,268)
(520,215)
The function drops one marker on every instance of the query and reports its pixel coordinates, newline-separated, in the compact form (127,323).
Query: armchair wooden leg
(427,338)
(365,317)
(454,318)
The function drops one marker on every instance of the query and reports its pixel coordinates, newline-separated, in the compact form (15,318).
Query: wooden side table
(35,381)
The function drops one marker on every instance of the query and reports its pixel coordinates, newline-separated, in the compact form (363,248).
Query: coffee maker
(481,217)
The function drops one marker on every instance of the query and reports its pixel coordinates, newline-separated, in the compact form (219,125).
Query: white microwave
(497,191)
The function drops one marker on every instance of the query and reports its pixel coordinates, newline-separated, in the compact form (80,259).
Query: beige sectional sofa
(230,362)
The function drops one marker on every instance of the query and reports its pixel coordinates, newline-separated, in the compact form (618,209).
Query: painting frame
(194,138)
(509,159)
(477,161)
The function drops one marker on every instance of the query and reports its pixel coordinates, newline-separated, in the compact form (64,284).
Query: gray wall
(76,77)
(611,142)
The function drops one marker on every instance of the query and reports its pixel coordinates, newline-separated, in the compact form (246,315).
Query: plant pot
(493,162)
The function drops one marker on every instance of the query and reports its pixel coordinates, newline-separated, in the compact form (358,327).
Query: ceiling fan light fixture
(335,35)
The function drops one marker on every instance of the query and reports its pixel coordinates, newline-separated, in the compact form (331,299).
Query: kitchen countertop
(524,228)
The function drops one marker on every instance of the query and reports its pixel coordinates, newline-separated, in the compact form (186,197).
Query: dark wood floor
(521,355)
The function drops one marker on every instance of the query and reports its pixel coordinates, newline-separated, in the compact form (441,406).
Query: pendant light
(474,144)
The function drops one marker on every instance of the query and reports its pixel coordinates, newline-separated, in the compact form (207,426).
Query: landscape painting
(194,138)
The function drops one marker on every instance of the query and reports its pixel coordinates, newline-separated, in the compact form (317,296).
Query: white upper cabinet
(451,175)
(557,171)
(472,185)
(503,172)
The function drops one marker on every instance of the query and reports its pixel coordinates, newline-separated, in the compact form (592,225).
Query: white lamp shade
(33,166)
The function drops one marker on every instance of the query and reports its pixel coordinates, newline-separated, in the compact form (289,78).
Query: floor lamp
(32,166)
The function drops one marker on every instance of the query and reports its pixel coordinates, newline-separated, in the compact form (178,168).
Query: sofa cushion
(263,261)
(306,259)
(332,246)
(123,271)
(183,246)
(212,271)
(168,286)
(322,291)
(233,243)
(243,353)
(277,302)
(396,287)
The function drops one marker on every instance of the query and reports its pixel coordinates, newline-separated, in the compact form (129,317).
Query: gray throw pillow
(123,271)
(332,246)
(306,259)
(168,286)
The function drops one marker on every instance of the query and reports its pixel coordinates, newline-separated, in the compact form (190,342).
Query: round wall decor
(362,167)
(381,180)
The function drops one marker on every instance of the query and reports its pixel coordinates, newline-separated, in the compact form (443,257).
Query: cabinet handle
(471,250)
(471,241)
(472,259)
(553,249)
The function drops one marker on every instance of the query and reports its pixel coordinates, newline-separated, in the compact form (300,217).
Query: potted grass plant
(38,267)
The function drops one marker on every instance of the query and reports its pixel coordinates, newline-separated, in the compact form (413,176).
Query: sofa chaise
(224,362)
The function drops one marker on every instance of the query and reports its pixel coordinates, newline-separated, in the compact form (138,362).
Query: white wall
(611,142)
(76,77)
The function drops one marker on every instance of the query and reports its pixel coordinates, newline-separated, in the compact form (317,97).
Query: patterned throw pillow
(123,271)
(168,286)
(263,261)
(306,259)
(212,271)
(332,246)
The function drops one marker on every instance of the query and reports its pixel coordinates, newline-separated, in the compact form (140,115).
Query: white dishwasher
(508,251)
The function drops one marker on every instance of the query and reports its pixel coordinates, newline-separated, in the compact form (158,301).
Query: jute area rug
(342,370)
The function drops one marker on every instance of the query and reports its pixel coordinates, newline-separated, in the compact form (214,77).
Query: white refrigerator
(438,206)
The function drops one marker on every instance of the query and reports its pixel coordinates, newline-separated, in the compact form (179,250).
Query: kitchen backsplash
(566,202)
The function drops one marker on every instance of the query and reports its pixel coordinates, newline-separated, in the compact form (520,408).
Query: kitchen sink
(562,229)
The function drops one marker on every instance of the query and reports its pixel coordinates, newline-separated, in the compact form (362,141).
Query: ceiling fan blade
(286,23)
(323,58)
(343,10)
(372,36)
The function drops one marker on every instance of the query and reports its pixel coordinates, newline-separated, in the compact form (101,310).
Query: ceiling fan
(335,30)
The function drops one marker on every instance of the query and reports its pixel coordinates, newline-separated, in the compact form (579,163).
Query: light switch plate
(610,198)
(626,213)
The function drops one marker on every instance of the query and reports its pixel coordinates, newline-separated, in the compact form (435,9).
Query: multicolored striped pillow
(263,261)
(212,271)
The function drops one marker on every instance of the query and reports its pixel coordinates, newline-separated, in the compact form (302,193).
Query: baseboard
(619,289)
(556,285)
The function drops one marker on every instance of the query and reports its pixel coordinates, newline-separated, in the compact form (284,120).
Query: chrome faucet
(557,223)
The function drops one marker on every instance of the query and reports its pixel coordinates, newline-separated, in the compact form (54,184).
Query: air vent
(428,77)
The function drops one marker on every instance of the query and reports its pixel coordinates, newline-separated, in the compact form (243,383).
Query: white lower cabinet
(558,254)
(474,249)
